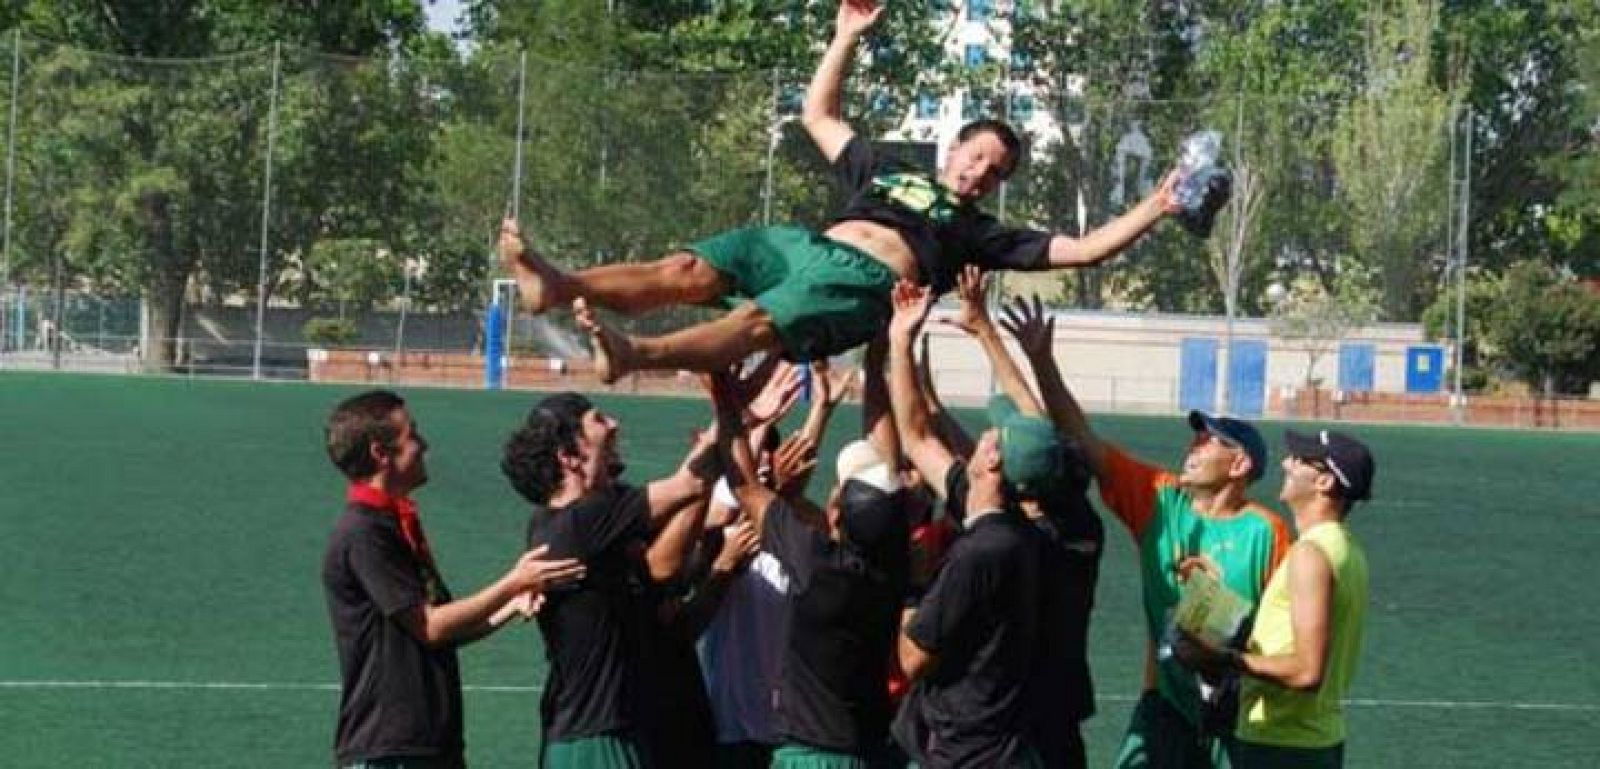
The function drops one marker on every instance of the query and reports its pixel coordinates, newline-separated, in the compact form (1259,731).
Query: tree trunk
(163,308)
(164,294)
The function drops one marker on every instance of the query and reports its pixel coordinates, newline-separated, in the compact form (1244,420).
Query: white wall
(1130,362)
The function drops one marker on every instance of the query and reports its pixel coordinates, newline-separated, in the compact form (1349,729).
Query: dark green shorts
(797,756)
(824,297)
(1160,737)
(1250,755)
(794,756)
(608,751)
(454,761)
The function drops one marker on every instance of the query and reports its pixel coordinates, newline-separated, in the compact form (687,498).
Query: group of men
(934,607)
(807,615)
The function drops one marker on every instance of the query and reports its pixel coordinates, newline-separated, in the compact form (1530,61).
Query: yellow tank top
(1272,715)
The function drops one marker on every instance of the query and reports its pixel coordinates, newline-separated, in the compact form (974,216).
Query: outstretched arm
(1035,334)
(944,425)
(828,390)
(670,549)
(973,318)
(1115,237)
(477,615)
(739,462)
(877,421)
(739,545)
(689,484)
(912,420)
(822,114)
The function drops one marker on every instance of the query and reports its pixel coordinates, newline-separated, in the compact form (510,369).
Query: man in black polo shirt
(563,460)
(1051,478)
(971,644)
(394,622)
(847,568)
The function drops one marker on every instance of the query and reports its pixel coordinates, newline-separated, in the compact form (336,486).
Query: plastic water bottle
(1204,186)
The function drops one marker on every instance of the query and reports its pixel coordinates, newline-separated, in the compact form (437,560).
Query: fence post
(266,209)
(516,183)
(1461,266)
(405,306)
(11,162)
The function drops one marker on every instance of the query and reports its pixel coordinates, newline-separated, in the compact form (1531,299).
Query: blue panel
(494,347)
(1424,369)
(1355,367)
(1197,374)
(1247,377)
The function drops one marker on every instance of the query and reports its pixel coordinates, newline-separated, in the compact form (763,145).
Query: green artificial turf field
(161,543)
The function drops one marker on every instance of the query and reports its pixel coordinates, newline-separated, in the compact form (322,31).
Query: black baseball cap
(1237,432)
(1347,458)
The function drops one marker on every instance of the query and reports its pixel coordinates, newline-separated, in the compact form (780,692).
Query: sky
(442,14)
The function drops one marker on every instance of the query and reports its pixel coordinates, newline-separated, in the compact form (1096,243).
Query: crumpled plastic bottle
(1204,186)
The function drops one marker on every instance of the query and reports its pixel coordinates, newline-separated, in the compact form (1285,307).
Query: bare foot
(613,352)
(536,279)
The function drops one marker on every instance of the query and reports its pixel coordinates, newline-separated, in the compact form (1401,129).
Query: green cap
(1030,449)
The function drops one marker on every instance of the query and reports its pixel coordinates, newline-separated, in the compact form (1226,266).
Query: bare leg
(706,347)
(678,278)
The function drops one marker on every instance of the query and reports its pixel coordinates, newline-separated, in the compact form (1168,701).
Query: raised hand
(830,388)
(793,463)
(911,305)
(1166,193)
(702,461)
(971,287)
(536,573)
(740,543)
(1025,320)
(856,16)
(777,396)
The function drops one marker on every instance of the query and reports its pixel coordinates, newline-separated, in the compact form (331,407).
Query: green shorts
(608,751)
(1251,755)
(454,761)
(824,297)
(1160,737)
(792,756)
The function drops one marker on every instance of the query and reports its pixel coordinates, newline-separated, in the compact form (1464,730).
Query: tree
(1318,318)
(1546,327)
(1573,223)
(1098,67)
(160,164)
(1478,356)
(1531,85)
(358,271)
(1390,149)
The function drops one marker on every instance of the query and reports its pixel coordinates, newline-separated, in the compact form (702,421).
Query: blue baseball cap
(1237,432)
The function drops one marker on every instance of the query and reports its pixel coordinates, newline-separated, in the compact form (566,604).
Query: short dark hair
(1002,131)
(531,460)
(357,423)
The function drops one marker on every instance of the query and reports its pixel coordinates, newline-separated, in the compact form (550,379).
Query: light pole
(774,138)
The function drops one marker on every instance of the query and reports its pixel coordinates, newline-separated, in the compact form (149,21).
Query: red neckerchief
(402,508)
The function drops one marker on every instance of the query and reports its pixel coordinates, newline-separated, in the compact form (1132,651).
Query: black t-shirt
(397,696)
(1071,537)
(943,233)
(678,725)
(592,630)
(979,618)
(844,605)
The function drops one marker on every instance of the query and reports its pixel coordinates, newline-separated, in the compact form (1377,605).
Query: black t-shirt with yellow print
(943,233)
